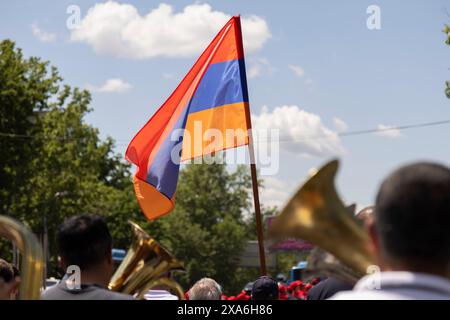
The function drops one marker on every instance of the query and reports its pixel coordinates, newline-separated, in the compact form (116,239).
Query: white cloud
(42,35)
(340,125)
(275,192)
(111,85)
(388,131)
(300,73)
(258,67)
(297,70)
(119,30)
(300,132)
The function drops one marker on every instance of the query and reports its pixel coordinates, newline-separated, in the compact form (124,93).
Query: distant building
(250,256)
(298,245)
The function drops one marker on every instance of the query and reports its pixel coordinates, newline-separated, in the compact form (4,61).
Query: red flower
(295,285)
(241,296)
(186,295)
(283,296)
(282,292)
(300,294)
(292,286)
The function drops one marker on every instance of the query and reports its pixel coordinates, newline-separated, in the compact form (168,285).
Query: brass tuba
(145,266)
(317,214)
(32,258)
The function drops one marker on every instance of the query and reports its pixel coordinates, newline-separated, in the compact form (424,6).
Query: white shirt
(159,295)
(398,285)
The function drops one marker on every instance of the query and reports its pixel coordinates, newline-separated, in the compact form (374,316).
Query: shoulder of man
(52,293)
(327,288)
(93,293)
(111,295)
(370,295)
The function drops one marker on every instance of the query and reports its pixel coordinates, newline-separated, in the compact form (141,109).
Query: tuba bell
(316,214)
(145,266)
(32,265)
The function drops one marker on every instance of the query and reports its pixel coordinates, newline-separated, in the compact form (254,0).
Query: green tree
(25,88)
(53,164)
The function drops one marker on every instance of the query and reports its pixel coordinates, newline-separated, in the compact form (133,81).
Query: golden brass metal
(32,262)
(317,214)
(324,263)
(145,266)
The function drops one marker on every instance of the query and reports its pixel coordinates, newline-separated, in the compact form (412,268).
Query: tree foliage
(53,164)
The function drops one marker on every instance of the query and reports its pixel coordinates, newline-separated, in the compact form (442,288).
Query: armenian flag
(206,113)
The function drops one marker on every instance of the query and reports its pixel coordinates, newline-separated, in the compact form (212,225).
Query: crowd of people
(264,288)
(409,227)
(296,290)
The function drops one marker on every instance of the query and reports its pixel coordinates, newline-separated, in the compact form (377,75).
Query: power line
(403,127)
(340,134)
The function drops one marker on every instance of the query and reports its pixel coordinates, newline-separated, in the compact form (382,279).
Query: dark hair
(412,214)
(84,241)
(6,271)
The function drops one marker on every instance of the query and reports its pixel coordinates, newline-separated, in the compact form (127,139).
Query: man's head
(205,289)
(85,241)
(412,219)
(265,288)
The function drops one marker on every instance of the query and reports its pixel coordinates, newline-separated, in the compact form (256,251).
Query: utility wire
(403,127)
(340,134)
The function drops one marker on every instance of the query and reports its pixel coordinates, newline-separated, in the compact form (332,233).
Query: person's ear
(375,240)
(62,263)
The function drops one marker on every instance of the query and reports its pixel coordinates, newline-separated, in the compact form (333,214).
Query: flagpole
(251,150)
(259,228)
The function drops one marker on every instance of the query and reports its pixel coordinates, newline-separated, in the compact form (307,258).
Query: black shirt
(328,288)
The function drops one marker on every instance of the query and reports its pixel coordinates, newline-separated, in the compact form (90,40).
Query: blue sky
(366,78)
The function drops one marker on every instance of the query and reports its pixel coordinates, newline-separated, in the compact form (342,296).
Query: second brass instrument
(316,214)
(145,266)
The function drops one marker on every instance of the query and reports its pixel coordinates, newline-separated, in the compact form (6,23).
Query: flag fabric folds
(206,113)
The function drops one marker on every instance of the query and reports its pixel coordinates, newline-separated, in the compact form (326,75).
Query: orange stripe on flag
(153,203)
(215,129)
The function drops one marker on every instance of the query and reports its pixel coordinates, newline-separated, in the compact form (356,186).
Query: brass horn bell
(145,266)
(32,264)
(316,214)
